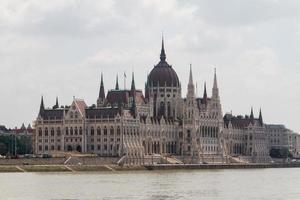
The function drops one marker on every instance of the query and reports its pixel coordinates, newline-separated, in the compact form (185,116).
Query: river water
(244,184)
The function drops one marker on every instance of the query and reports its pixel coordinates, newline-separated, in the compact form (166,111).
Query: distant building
(280,137)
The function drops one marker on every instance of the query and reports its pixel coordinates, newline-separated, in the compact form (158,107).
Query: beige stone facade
(129,124)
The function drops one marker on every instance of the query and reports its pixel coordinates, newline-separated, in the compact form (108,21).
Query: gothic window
(40,132)
(118,131)
(58,131)
(67,131)
(76,131)
(52,132)
(80,130)
(46,147)
(111,130)
(46,131)
(92,131)
(98,131)
(71,131)
(105,131)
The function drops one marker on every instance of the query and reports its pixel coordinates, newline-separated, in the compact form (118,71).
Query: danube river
(260,184)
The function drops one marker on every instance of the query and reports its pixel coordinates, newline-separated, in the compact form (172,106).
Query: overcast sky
(59,48)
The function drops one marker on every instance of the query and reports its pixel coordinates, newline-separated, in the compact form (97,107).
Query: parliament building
(160,123)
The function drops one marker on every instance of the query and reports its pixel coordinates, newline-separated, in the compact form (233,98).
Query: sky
(60,47)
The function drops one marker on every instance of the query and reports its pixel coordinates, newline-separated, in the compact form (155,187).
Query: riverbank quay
(67,168)
(117,168)
(220,166)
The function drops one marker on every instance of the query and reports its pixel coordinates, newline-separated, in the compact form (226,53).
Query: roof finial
(162,53)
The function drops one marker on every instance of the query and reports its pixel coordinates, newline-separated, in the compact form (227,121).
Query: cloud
(59,48)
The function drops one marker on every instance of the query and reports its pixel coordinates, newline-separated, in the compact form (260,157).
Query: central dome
(163,73)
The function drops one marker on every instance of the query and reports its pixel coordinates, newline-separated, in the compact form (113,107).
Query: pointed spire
(260,117)
(56,103)
(132,82)
(42,107)
(215,79)
(117,83)
(191,76)
(205,94)
(162,53)
(251,114)
(101,92)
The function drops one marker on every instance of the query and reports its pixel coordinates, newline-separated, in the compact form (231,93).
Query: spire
(101,92)
(260,117)
(215,89)
(56,103)
(117,83)
(205,94)
(162,53)
(191,76)
(215,79)
(251,114)
(132,82)
(42,107)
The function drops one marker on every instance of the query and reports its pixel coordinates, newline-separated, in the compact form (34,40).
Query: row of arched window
(99,131)
(208,131)
(50,132)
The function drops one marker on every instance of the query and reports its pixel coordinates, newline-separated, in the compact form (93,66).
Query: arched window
(105,130)
(76,131)
(118,131)
(67,131)
(111,130)
(71,131)
(80,130)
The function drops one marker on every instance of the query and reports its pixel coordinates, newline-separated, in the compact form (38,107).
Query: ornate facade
(129,124)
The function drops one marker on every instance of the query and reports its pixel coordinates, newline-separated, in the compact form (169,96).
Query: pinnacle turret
(117,83)
(132,83)
(205,94)
(260,118)
(42,106)
(101,91)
